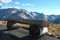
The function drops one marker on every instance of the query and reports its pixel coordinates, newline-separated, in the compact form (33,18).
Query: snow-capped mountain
(13,13)
(36,15)
(4,13)
(21,13)
(57,21)
(53,18)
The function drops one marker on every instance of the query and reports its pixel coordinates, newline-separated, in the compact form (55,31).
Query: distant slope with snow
(5,14)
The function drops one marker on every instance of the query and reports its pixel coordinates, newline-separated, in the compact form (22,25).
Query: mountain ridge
(22,13)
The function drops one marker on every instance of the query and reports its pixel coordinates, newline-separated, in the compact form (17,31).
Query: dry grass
(3,22)
(54,29)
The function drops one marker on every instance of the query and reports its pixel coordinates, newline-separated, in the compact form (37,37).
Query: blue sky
(43,6)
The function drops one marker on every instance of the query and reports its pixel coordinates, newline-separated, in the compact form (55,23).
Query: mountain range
(22,13)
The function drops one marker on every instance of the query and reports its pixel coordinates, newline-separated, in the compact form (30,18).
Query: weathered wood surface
(31,21)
